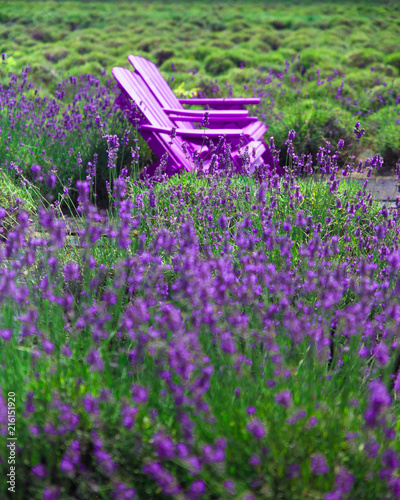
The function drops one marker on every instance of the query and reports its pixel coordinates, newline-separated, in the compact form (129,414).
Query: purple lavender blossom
(123,492)
(52,493)
(36,172)
(318,464)
(48,346)
(128,414)
(95,361)
(119,188)
(139,394)
(163,478)
(359,132)
(254,460)
(230,487)
(205,120)
(67,465)
(40,471)
(6,334)
(381,353)
(379,399)
(256,428)
(344,481)
(164,446)
(198,487)
(284,398)
(51,180)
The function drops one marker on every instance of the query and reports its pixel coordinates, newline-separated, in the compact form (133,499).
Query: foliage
(215,334)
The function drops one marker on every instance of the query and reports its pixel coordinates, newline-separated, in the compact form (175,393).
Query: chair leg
(269,160)
(150,169)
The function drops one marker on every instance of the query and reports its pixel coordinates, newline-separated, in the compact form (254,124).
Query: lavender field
(205,336)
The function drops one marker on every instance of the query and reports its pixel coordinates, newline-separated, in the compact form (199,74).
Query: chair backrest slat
(158,86)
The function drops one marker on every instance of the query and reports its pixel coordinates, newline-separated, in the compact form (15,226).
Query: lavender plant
(63,139)
(213,335)
(225,336)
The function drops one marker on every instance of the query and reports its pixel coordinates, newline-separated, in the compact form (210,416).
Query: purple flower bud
(293,471)
(67,466)
(390,459)
(344,481)
(379,399)
(48,346)
(83,188)
(94,359)
(6,334)
(36,170)
(53,264)
(254,460)
(139,394)
(358,132)
(312,421)
(71,271)
(119,188)
(222,222)
(381,353)
(123,492)
(51,493)
(66,351)
(39,471)
(51,180)
(164,446)
(205,120)
(256,428)
(34,429)
(318,464)
(284,398)
(90,404)
(230,486)
(29,406)
(198,487)
(104,460)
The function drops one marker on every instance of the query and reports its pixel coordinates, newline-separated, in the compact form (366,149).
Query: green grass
(311,380)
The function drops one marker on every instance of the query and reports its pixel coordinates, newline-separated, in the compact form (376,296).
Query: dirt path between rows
(383,187)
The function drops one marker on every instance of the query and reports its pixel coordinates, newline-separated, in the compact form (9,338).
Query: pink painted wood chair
(156,126)
(224,113)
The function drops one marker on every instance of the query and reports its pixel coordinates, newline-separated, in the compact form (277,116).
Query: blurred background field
(319,66)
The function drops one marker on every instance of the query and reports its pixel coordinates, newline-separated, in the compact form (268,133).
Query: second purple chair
(225,113)
(156,126)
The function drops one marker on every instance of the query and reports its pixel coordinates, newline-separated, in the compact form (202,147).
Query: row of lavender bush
(210,336)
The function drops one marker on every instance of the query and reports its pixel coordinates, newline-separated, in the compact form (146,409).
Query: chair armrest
(198,134)
(222,103)
(198,113)
(214,119)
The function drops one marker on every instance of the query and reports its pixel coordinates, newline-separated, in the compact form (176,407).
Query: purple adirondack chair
(226,113)
(156,126)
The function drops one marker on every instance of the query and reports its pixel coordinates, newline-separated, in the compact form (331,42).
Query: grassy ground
(208,353)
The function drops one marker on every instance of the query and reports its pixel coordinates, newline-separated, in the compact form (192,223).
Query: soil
(383,187)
